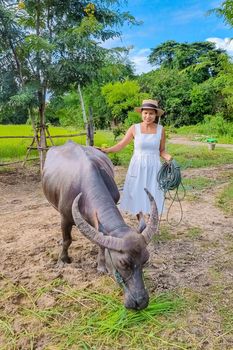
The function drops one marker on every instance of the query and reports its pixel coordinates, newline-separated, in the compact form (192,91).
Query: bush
(132,118)
(117,131)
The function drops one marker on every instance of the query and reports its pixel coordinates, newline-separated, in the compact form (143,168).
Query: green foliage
(203,101)
(114,69)
(225,11)
(122,97)
(115,159)
(193,80)
(132,118)
(194,232)
(197,183)
(212,126)
(117,131)
(54,45)
(172,54)
(217,125)
(70,113)
(224,83)
(172,89)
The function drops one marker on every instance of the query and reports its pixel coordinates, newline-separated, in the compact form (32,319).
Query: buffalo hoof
(66,259)
(101,270)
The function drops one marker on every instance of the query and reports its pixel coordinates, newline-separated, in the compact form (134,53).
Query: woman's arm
(163,153)
(124,142)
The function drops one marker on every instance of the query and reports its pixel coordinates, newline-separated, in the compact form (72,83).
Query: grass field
(187,157)
(15,149)
(213,128)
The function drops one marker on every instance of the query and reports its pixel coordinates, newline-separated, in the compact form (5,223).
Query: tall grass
(213,126)
(225,199)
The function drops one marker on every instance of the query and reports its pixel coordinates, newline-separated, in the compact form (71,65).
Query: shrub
(132,118)
(117,131)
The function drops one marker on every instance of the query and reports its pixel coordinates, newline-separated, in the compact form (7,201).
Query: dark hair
(156,119)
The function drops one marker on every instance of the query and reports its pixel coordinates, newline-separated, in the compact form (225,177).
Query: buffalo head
(124,256)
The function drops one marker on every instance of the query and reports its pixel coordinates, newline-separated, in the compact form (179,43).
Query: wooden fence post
(91,128)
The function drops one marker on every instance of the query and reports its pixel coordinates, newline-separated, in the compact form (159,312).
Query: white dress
(142,173)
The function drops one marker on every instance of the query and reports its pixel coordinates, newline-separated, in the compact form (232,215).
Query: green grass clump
(109,321)
(194,232)
(197,183)
(225,199)
(165,234)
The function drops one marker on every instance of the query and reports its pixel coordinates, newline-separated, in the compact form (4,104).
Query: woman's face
(148,116)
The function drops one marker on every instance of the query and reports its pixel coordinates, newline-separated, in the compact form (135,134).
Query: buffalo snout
(138,301)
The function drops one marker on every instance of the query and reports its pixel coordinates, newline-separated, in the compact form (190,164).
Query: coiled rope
(169,178)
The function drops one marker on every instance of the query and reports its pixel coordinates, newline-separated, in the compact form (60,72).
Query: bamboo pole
(31,137)
(19,161)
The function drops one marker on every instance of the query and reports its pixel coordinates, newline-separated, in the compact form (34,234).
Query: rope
(169,178)
(120,280)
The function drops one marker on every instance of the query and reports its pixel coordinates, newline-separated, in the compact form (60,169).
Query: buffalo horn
(152,226)
(91,233)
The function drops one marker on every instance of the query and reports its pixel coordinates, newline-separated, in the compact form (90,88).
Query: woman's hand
(168,158)
(102,149)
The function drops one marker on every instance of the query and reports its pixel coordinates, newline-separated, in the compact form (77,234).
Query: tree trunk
(84,115)
(43,143)
(91,128)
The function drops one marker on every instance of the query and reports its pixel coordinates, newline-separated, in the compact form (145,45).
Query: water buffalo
(79,182)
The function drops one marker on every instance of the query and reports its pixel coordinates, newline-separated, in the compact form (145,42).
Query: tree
(115,68)
(225,11)
(51,44)
(189,81)
(164,54)
(122,98)
(174,55)
(172,89)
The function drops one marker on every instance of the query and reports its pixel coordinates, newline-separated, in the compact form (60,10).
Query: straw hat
(150,104)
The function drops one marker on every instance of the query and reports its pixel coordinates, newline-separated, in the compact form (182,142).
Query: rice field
(16,148)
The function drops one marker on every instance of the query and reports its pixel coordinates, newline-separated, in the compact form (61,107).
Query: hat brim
(160,112)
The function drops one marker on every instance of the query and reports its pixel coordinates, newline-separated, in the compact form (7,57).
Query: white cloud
(139,57)
(110,43)
(187,16)
(140,60)
(225,44)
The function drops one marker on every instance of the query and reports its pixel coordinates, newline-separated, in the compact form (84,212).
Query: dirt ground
(186,256)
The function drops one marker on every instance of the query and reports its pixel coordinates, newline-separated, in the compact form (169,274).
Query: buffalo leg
(67,240)
(141,222)
(101,261)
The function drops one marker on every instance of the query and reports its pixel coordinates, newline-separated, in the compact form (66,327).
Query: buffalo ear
(101,227)
(91,233)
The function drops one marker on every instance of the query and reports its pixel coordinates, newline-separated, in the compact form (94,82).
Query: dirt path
(196,255)
(182,140)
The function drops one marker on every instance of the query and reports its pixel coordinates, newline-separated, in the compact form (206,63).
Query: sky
(179,20)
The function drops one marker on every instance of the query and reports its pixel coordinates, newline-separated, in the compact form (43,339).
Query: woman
(149,146)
